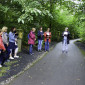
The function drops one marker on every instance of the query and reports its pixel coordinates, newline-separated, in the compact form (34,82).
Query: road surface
(56,68)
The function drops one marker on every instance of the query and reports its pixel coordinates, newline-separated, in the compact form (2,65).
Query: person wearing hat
(65,35)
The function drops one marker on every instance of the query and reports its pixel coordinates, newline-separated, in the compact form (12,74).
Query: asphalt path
(56,68)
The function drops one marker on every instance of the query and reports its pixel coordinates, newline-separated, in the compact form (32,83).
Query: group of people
(47,39)
(41,35)
(8,45)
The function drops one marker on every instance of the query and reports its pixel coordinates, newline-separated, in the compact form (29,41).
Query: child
(47,39)
(2,50)
(31,40)
(16,44)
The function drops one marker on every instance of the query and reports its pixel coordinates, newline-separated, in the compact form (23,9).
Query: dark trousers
(7,51)
(2,57)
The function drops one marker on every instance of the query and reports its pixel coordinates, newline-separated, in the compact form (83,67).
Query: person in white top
(66,34)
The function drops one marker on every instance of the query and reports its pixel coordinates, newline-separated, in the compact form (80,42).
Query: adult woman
(47,39)
(65,40)
(5,41)
(12,42)
(2,50)
(40,39)
(31,40)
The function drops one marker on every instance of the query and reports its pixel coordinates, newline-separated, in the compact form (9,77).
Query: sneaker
(32,53)
(0,66)
(45,50)
(11,58)
(16,56)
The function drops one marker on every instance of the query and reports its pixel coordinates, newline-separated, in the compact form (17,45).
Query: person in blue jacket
(40,39)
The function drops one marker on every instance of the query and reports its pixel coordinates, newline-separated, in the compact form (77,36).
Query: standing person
(2,50)
(5,41)
(16,44)
(40,39)
(12,42)
(66,34)
(47,39)
(31,40)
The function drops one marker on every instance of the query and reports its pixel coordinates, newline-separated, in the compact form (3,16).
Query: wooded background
(55,14)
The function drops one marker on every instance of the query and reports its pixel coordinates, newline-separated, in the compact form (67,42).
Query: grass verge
(3,70)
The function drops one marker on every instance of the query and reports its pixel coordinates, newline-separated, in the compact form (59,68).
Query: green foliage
(56,14)
(81,21)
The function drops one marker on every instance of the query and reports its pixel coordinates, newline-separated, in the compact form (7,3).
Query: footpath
(18,66)
(56,68)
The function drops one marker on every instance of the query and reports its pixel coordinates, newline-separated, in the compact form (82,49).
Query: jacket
(1,44)
(46,37)
(12,37)
(67,36)
(40,35)
(5,38)
(31,38)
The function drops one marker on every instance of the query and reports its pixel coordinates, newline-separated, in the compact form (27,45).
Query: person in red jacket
(2,50)
(31,40)
(47,39)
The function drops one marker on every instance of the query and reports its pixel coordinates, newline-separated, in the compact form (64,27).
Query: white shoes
(0,66)
(16,56)
(11,58)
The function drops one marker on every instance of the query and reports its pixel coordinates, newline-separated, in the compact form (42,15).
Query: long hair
(12,29)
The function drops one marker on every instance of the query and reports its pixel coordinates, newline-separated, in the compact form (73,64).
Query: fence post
(20,36)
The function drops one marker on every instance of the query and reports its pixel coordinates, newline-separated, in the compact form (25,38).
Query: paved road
(56,69)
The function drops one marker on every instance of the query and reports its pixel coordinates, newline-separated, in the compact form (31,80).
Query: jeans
(30,49)
(47,45)
(65,45)
(40,44)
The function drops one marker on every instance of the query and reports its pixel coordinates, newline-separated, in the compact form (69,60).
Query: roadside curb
(6,82)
